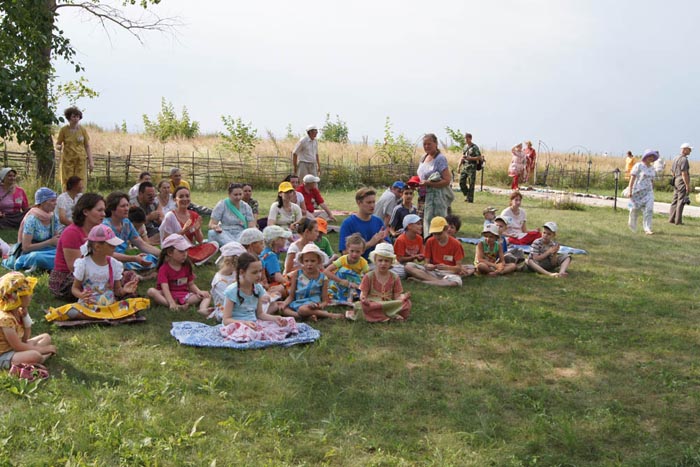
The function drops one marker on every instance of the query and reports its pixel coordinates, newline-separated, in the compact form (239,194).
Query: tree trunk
(42,144)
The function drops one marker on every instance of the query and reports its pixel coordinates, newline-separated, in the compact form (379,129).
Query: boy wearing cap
(322,241)
(443,256)
(489,215)
(305,154)
(405,208)
(409,245)
(275,239)
(387,202)
(544,256)
(313,198)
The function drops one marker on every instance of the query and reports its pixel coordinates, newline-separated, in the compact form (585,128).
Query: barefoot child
(16,342)
(222,279)
(308,291)
(544,257)
(243,315)
(98,282)
(346,272)
(489,259)
(175,287)
(381,295)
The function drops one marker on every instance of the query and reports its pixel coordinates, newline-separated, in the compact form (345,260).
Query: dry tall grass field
(352,154)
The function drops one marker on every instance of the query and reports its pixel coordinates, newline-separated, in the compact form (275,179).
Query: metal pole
(616,174)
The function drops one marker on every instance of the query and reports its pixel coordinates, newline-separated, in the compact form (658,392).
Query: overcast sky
(605,75)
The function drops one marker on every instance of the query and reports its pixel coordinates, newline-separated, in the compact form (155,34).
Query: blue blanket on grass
(566,250)
(203,335)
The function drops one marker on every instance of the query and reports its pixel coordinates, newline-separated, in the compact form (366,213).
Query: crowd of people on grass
(98,249)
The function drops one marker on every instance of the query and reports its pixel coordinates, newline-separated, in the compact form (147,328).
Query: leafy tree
(239,137)
(457,138)
(167,125)
(29,40)
(394,149)
(334,132)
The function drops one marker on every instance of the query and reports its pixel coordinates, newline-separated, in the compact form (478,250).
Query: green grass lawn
(600,368)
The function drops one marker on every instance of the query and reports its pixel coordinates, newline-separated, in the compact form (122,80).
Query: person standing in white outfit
(305,154)
(641,189)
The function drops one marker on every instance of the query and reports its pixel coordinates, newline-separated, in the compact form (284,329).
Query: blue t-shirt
(367,229)
(246,311)
(271,262)
(127,234)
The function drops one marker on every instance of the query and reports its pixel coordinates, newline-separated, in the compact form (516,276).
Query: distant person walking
(517,165)
(641,188)
(305,154)
(680,171)
(530,161)
(629,163)
(468,166)
(74,142)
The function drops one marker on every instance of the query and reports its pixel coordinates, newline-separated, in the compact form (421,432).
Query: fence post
(148,161)
(208,172)
(192,169)
(107,169)
(128,163)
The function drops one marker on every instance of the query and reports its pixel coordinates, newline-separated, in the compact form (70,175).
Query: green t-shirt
(325,245)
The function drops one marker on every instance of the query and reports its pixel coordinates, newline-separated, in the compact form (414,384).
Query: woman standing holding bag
(436,179)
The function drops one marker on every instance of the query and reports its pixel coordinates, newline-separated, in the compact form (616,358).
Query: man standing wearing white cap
(680,171)
(305,154)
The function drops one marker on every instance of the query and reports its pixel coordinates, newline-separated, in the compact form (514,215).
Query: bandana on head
(13,286)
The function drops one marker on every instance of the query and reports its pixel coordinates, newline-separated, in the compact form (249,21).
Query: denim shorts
(6,360)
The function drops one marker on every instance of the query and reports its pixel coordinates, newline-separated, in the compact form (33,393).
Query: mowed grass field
(600,368)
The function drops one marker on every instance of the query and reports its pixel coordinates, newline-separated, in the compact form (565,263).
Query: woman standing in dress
(517,165)
(13,200)
(74,142)
(530,161)
(436,179)
(188,224)
(641,190)
(230,217)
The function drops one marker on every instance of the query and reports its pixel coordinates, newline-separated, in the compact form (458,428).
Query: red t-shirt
(178,281)
(72,238)
(451,254)
(310,197)
(405,247)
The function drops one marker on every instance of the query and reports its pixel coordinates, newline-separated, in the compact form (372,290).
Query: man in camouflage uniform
(467,165)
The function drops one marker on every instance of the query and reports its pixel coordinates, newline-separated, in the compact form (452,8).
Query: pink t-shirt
(15,202)
(72,238)
(178,281)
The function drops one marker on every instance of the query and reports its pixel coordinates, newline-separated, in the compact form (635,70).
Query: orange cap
(322,225)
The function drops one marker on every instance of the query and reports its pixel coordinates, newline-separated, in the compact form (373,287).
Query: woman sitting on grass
(66,200)
(516,232)
(285,212)
(187,223)
(308,232)
(13,200)
(230,217)
(117,219)
(39,234)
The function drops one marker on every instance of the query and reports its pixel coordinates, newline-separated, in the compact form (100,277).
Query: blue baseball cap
(399,184)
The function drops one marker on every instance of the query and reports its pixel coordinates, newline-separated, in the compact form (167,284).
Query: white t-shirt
(515,227)
(65,202)
(96,278)
(283,218)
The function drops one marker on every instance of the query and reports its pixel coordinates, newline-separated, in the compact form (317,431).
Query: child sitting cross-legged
(346,272)
(16,342)
(545,257)
(489,258)
(409,245)
(98,281)
(308,290)
(443,256)
(225,276)
(381,295)
(175,287)
(243,316)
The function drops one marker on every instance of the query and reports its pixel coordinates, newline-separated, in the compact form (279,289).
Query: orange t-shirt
(451,254)
(405,247)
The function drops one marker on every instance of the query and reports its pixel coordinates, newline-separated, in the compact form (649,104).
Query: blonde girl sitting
(381,294)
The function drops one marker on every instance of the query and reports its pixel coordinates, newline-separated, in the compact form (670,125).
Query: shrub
(394,150)
(334,132)
(457,138)
(240,137)
(168,125)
